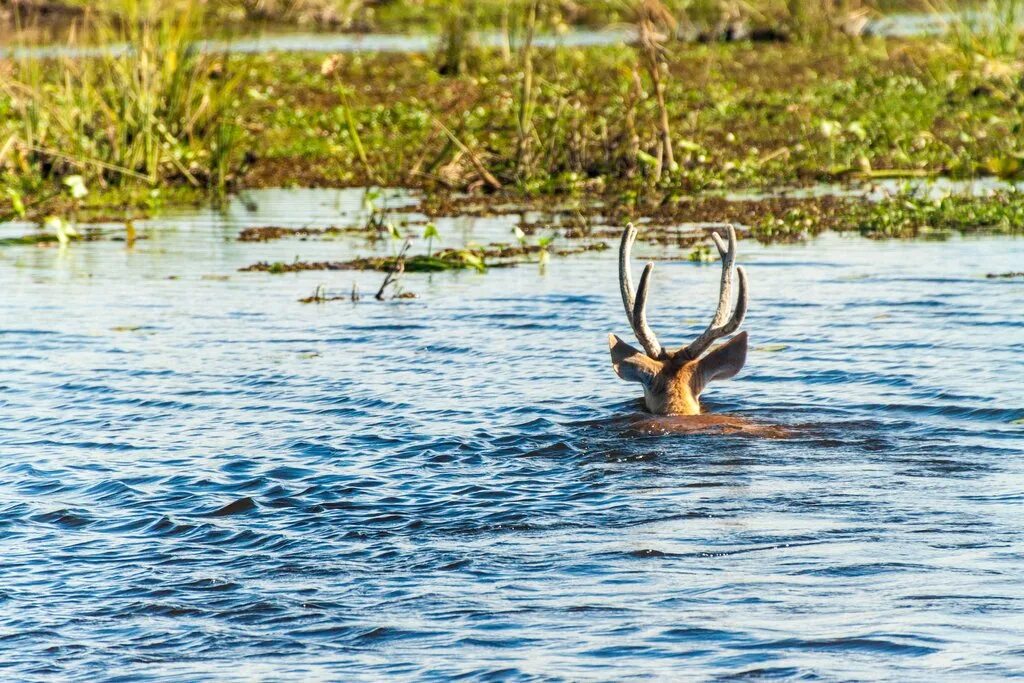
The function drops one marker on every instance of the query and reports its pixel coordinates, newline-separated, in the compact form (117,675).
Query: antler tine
(740,312)
(640,328)
(722,248)
(719,327)
(725,290)
(625,279)
(636,309)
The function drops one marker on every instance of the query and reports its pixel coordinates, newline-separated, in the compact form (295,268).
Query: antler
(719,327)
(636,311)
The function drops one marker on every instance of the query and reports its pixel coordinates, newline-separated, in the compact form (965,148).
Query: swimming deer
(673,379)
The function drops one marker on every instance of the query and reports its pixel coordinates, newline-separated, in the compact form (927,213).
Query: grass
(641,127)
(990,31)
(156,114)
(740,116)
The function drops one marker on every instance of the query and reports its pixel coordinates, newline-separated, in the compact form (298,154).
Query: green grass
(157,114)
(162,118)
(741,116)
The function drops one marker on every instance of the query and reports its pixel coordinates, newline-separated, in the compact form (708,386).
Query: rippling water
(203,478)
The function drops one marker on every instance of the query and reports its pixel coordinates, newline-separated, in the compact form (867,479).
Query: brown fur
(673,384)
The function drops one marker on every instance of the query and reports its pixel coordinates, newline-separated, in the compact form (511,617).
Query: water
(899,25)
(333,42)
(202,478)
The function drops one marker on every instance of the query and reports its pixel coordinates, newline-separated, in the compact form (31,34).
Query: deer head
(673,380)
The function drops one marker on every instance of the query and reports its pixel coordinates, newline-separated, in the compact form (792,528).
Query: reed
(524,119)
(993,31)
(150,109)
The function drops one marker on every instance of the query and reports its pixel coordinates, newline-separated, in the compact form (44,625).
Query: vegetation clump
(655,128)
(911,215)
(153,112)
(475,258)
(268,233)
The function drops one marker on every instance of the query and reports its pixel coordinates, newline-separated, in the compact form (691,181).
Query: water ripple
(245,487)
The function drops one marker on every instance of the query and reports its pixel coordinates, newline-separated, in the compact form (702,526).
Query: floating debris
(993,276)
(477,258)
(319,296)
(273,232)
(45,239)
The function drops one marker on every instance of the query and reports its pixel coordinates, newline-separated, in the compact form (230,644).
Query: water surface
(898,25)
(203,478)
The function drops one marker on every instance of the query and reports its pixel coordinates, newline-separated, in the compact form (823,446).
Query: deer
(673,379)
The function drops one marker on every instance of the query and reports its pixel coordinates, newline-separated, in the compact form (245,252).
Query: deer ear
(722,363)
(630,364)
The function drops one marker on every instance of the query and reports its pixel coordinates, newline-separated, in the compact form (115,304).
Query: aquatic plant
(333,13)
(394,273)
(524,119)
(429,233)
(912,214)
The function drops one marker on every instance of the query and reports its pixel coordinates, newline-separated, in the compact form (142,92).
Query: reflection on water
(203,477)
(333,42)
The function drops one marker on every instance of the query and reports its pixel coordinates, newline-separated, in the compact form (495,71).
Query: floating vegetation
(476,258)
(610,133)
(911,215)
(702,254)
(268,233)
(320,296)
(993,276)
(43,239)
(37,238)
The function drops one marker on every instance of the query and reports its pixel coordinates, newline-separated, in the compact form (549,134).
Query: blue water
(202,478)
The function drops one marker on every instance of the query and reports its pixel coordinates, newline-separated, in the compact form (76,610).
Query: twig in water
(396,271)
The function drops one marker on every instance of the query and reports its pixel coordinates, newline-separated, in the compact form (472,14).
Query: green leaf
(75,185)
(16,202)
(701,254)
(427,264)
(1006,166)
(431,231)
(646,159)
(473,261)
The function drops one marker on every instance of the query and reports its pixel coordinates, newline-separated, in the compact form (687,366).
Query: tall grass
(993,31)
(152,109)
(457,43)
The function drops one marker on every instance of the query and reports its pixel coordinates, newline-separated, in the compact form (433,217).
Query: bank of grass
(740,115)
(136,123)
(164,120)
